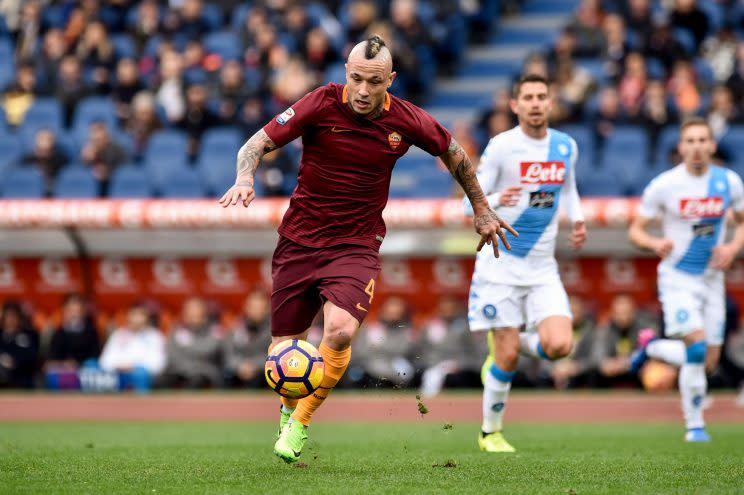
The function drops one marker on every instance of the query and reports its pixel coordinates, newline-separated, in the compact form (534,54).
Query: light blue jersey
(545,169)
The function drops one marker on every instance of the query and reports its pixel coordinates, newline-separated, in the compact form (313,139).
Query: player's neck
(534,132)
(371,115)
(697,170)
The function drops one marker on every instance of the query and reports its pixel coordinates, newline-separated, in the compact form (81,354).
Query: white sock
(692,387)
(495,392)
(670,351)
(529,345)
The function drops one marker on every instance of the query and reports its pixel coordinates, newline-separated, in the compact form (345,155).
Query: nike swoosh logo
(297,454)
(359,306)
(340,130)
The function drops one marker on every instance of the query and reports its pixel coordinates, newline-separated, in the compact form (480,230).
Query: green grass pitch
(159,458)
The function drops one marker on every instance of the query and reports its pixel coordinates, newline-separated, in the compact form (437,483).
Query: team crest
(563,149)
(394,139)
(489,311)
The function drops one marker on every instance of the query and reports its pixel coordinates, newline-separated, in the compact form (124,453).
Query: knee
(506,358)
(337,337)
(558,348)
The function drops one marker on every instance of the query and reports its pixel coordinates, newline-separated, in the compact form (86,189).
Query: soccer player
(526,173)
(692,199)
(327,254)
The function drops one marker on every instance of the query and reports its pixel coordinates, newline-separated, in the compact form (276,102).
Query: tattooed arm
(249,156)
(487,223)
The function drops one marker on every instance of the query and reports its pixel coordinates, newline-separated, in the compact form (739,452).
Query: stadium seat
(667,142)
(185,184)
(733,143)
(124,45)
(600,182)
(23,182)
(92,109)
(10,151)
(217,173)
(129,181)
(44,113)
(221,141)
(76,181)
(168,144)
(626,143)
(162,168)
(226,44)
(212,15)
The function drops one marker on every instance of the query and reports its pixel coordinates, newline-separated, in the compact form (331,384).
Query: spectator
(245,348)
(499,105)
(19,96)
(76,339)
(622,330)
(735,82)
(136,351)
(96,52)
(49,60)
(198,117)
(125,86)
(252,117)
(579,367)
(232,90)
(574,84)
(146,24)
(47,157)
(143,120)
(663,46)
(683,88)
(296,23)
(722,112)
(194,349)
(412,39)
(719,52)
(587,24)
(632,84)
(195,62)
(687,15)
(277,174)
(29,30)
(382,357)
(102,154)
(608,116)
(637,15)
(362,13)
(564,49)
(615,47)
(19,347)
(451,355)
(70,88)
(655,114)
(187,21)
(317,52)
(169,92)
(291,83)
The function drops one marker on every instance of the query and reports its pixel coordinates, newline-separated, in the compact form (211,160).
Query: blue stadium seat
(162,168)
(44,113)
(212,14)
(221,141)
(10,151)
(600,182)
(91,109)
(435,184)
(668,139)
(185,184)
(733,143)
(626,143)
(168,144)
(584,138)
(226,44)
(7,71)
(23,182)
(129,181)
(217,173)
(76,181)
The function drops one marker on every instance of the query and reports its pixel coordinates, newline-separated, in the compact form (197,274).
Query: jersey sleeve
(488,175)
(571,200)
(428,133)
(651,200)
(298,118)
(737,191)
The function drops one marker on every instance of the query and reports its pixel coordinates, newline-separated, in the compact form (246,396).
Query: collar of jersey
(345,98)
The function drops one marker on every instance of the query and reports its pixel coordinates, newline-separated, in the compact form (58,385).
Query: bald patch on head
(383,58)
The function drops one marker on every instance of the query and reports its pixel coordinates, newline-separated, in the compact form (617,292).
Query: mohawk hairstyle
(374,45)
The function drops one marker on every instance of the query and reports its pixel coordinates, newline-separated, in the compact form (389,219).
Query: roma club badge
(394,139)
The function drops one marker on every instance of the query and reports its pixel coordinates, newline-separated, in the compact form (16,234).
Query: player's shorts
(304,278)
(508,306)
(693,303)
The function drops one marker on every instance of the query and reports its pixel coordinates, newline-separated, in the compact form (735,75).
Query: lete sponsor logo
(711,207)
(539,173)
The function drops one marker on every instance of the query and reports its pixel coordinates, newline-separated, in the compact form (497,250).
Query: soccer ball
(294,368)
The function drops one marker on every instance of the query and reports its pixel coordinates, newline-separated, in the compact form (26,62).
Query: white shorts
(511,306)
(693,303)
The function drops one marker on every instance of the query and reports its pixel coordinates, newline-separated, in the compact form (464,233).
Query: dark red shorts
(304,278)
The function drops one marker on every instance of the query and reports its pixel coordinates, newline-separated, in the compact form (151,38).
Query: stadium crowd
(201,348)
(136,85)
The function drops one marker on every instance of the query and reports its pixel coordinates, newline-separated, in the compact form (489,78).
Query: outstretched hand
(239,192)
(491,228)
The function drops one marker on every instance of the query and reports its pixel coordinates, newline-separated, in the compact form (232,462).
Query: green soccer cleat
(289,445)
(494,442)
(283,418)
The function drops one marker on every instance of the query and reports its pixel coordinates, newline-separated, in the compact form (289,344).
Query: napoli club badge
(394,139)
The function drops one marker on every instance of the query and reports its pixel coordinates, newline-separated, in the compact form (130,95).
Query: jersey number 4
(370,290)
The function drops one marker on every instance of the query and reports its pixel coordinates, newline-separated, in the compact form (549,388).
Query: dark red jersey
(347,160)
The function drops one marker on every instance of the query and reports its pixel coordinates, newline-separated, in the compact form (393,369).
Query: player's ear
(391,78)
(513,104)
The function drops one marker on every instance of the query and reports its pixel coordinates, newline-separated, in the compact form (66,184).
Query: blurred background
(119,125)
